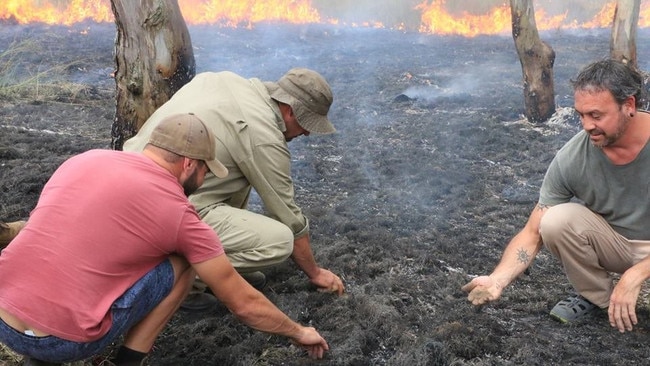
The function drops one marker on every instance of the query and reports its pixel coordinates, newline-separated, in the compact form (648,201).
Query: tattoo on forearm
(522,256)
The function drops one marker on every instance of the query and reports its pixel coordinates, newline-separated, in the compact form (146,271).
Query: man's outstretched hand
(482,289)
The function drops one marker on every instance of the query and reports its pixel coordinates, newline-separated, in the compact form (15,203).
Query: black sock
(128,357)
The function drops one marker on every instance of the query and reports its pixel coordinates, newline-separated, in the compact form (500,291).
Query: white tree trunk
(536,58)
(154,58)
(623,42)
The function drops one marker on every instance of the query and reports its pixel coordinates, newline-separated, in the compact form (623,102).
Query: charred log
(154,58)
(623,42)
(536,58)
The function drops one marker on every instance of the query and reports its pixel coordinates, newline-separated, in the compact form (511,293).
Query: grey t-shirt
(619,193)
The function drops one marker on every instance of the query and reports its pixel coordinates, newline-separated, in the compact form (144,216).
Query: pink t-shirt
(104,219)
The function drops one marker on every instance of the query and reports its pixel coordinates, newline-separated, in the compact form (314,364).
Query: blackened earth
(432,170)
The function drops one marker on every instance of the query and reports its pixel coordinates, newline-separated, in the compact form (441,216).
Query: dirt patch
(431,172)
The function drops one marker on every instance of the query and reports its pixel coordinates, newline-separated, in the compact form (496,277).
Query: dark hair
(620,79)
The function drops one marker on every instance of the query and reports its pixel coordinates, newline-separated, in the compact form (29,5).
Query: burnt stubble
(432,170)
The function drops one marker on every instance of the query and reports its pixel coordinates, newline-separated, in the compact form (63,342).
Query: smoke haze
(391,13)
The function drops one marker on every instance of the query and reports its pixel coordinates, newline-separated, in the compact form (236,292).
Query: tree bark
(536,58)
(154,58)
(622,45)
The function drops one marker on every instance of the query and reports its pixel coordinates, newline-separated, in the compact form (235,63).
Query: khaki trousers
(251,241)
(589,249)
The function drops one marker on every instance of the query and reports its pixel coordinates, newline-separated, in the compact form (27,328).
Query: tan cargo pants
(589,249)
(9,230)
(251,241)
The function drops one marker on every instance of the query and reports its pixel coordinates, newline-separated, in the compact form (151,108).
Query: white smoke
(393,13)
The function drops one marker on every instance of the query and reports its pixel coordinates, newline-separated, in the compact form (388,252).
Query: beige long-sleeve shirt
(248,126)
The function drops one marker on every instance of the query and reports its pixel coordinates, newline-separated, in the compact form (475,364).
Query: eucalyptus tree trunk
(154,58)
(622,45)
(536,58)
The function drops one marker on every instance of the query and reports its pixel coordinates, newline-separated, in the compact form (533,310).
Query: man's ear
(286,110)
(189,164)
(630,103)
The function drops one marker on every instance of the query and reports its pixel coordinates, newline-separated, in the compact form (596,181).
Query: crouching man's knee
(284,247)
(562,224)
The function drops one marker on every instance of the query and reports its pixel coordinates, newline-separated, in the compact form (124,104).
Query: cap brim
(217,168)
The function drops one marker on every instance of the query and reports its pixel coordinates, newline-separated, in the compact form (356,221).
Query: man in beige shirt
(253,121)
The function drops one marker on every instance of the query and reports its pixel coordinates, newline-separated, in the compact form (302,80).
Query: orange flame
(25,11)
(644,14)
(435,19)
(237,12)
(222,12)
(232,13)
(604,18)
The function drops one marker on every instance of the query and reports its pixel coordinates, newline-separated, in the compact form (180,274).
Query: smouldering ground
(431,172)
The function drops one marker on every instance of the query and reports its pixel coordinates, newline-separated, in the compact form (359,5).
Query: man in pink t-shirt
(112,249)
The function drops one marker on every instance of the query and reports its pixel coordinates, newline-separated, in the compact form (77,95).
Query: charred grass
(431,172)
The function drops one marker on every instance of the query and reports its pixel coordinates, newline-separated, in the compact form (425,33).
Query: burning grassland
(431,171)
(462,17)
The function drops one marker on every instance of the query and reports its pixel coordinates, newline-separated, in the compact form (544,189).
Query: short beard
(190,185)
(613,138)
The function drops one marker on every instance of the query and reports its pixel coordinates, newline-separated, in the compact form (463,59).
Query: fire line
(434,17)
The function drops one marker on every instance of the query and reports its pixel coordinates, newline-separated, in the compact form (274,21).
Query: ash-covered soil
(432,170)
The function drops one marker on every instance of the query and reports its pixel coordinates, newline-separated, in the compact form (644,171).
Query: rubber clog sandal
(571,309)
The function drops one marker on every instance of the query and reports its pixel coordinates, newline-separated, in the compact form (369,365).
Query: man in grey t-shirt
(606,168)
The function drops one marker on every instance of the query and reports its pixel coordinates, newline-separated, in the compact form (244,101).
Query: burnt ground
(432,170)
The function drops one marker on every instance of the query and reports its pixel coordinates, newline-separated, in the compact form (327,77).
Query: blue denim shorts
(128,310)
